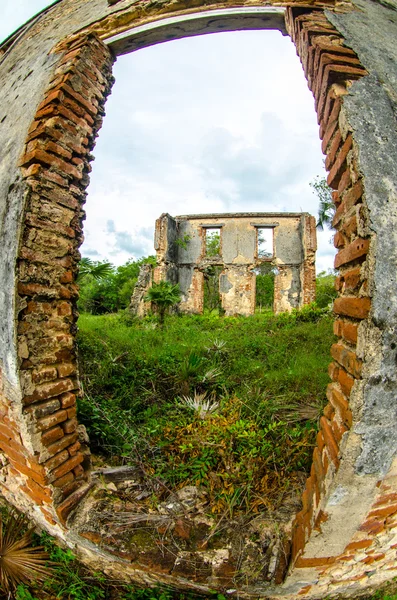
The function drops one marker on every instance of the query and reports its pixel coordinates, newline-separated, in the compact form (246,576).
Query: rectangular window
(212,241)
(265,242)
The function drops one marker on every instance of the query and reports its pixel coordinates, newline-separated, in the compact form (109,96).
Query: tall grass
(267,374)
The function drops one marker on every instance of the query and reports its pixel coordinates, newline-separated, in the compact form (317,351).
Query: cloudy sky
(216,123)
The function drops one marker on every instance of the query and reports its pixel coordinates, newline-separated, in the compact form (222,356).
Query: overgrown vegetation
(266,374)
(105,288)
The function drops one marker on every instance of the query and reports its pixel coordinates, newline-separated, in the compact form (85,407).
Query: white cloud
(217,123)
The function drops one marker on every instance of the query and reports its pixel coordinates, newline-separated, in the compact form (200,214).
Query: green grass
(268,375)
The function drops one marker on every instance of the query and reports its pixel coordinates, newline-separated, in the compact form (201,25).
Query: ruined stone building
(244,242)
(55,75)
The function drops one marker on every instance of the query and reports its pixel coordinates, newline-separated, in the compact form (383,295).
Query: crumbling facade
(184,256)
(55,74)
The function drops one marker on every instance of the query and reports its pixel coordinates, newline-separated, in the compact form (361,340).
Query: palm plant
(163,295)
(97,270)
(20,562)
(200,404)
(326,207)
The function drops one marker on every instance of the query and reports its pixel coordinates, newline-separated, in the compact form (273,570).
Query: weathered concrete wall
(54,79)
(180,244)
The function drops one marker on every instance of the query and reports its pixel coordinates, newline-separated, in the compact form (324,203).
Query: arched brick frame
(349,503)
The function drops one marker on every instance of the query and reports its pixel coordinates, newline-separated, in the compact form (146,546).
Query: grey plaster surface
(371,110)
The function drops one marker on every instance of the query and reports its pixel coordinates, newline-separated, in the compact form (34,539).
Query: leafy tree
(265,274)
(163,295)
(326,208)
(212,299)
(212,243)
(325,289)
(112,291)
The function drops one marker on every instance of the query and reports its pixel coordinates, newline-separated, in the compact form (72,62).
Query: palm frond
(201,405)
(20,562)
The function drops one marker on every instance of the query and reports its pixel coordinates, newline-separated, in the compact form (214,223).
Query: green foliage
(183,241)
(326,208)
(212,300)
(212,243)
(265,275)
(325,289)
(268,374)
(95,269)
(112,290)
(163,295)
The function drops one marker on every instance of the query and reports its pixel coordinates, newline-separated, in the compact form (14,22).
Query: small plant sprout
(211,375)
(201,405)
(216,346)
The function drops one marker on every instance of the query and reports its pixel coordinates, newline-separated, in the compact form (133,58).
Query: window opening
(212,241)
(264,289)
(265,242)
(212,297)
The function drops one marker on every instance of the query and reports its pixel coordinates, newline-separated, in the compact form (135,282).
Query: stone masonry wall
(293,256)
(55,168)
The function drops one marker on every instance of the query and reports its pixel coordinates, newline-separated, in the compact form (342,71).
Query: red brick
(63,481)
(357,308)
(320,441)
(74,448)
(43,409)
(372,526)
(329,440)
(50,159)
(340,403)
(352,279)
(72,412)
(333,371)
(337,327)
(39,491)
(318,465)
(359,545)
(356,249)
(383,512)
(67,466)
(68,400)
(66,369)
(49,390)
(70,425)
(333,149)
(350,198)
(350,332)
(344,183)
(51,436)
(347,359)
(338,166)
(339,240)
(304,563)
(52,420)
(349,227)
(65,508)
(45,374)
(31,473)
(388,499)
(61,444)
(346,381)
(56,460)
(79,472)
(328,411)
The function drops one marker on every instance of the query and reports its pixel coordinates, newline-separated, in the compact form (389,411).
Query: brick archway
(349,501)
